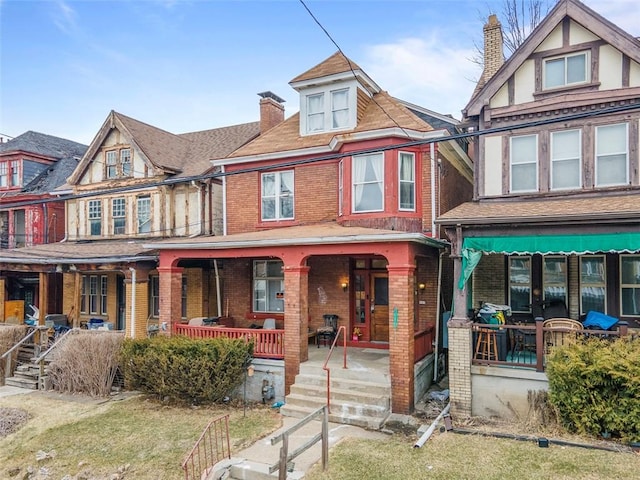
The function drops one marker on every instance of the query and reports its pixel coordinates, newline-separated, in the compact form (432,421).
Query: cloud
(65,18)
(425,72)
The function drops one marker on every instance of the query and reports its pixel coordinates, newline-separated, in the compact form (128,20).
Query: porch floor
(365,361)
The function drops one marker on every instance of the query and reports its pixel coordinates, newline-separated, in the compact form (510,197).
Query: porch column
(43,296)
(136,285)
(3,282)
(296,321)
(460,337)
(401,341)
(170,297)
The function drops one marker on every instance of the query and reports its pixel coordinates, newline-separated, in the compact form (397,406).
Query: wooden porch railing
(266,343)
(423,343)
(325,367)
(212,447)
(8,370)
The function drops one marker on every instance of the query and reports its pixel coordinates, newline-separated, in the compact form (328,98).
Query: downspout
(437,345)
(433,190)
(202,219)
(133,302)
(224,202)
(219,300)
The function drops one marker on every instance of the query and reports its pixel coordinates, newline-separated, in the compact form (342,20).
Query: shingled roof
(46,145)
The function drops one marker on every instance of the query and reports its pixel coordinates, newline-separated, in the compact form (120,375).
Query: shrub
(186,369)
(595,387)
(85,362)
(9,336)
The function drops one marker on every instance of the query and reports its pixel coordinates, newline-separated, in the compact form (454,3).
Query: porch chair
(558,338)
(328,332)
(269,324)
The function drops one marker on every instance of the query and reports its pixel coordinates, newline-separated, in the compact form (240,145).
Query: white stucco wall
(579,34)
(501,98)
(525,82)
(610,71)
(554,40)
(493,166)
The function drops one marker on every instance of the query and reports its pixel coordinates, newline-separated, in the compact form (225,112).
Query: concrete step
(249,470)
(352,373)
(378,396)
(22,382)
(338,407)
(373,387)
(342,414)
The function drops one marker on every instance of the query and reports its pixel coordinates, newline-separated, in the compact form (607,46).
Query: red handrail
(344,361)
(212,446)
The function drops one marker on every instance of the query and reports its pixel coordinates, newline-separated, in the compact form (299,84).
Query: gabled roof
(46,145)
(286,136)
(578,12)
(53,177)
(174,154)
(336,63)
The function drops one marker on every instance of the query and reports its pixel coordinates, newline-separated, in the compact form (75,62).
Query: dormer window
(327,109)
(566,70)
(118,163)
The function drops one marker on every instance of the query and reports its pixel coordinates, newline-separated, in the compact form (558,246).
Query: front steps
(24,376)
(359,398)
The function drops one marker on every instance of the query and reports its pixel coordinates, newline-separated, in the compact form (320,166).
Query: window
(368,183)
(118,163)
(119,215)
(3,174)
(323,110)
(566,159)
(268,286)
(15,173)
(144,214)
(184,298)
(95,217)
(340,187)
(277,195)
(593,286)
(520,284)
(524,163)
(154,296)
(554,279)
(340,108)
(612,155)
(566,70)
(630,284)
(93,297)
(407,182)
(315,112)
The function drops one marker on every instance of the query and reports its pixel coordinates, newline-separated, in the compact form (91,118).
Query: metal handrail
(212,446)
(53,346)
(8,368)
(342,329)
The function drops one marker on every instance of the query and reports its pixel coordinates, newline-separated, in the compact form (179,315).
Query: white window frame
(266,286)
(154,296)
(336,110)
(119,215)
(599,156)
(548,284)
(15,173)
(411,182)
(527,284)
(599,285)
(565,58)
(4,176)
(143,216)
(516,162)
(358,184)
(635,287)
(111,164)
(278,195)
(125,162)
(327,111)
(557,160)
(95,216)
(341,188)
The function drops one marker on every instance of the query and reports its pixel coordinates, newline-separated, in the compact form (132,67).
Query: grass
(147,439)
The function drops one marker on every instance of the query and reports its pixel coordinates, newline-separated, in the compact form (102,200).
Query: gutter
(70,261)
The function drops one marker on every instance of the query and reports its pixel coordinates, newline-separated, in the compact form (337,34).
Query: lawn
(98,438)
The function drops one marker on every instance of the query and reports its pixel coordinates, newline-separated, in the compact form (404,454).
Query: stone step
(337,372)
(22,382)
(338,383)
(249,470)
(338,415)
(338,407)
(377,396)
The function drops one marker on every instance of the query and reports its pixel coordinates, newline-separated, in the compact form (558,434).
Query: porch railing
(266,343)
(212,447)
(523,345)
(423,343)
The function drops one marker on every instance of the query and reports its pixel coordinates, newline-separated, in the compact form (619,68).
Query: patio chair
(327,333)
(556,338)
(269,324)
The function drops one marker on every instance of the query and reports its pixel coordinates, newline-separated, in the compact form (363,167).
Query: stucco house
(556,205)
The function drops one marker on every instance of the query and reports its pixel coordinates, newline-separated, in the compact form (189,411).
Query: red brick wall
(325,290)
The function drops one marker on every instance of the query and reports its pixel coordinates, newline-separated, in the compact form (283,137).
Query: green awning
(614,242)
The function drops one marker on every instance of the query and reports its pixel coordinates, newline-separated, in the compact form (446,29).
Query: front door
(379,307)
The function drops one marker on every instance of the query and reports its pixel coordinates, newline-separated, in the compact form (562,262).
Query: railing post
(284,452)
(623,328)
(325,438)
(539,344)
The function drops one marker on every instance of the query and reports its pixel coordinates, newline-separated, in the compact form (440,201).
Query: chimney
(271,110)
(493,53)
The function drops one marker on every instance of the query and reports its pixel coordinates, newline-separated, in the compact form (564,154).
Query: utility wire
(333,156)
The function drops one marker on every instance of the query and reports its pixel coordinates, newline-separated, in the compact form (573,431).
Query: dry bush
(9,336)
(86,362)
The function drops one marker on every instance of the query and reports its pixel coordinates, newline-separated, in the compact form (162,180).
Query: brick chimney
(493,53)
(271,110)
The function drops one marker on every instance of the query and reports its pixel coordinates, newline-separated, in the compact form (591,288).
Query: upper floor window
(593,284)
(407,181)
(95,217)
(368,183)
(566,159)
(278,195)
(524,163)
(144,214)
(118,212)
(3,174)
(15,173)
(324,110)
(612,155)
(268,286)
(118,163)
(566,70)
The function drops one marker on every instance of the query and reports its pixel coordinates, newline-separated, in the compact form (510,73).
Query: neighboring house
(135,182)
(556,210)
(32,166)
(332,212)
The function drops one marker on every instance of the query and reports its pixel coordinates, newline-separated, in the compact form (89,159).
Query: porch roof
(323,234)
(89,252)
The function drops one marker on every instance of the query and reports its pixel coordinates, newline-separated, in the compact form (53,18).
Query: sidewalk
(7,390)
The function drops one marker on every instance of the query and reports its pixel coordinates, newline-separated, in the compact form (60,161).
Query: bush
(186,369)
(9,336)
(595,387)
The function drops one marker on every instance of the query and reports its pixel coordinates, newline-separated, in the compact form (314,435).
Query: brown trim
(569,49)
(634,156)
(511,89)
(506,164)
(626,70)
(544,160)
(566,32)
(588,158)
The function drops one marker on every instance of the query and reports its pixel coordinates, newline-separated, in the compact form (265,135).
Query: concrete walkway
(7,390)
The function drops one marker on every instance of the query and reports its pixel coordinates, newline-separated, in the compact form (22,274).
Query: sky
(186,66)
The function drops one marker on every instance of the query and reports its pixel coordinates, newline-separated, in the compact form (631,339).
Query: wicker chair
(556,338)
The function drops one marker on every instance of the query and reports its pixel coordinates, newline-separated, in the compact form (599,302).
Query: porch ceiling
(319,234)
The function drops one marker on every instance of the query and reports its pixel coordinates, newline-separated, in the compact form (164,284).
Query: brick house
(332,211)
(32,166)
(554,218)
(134,183)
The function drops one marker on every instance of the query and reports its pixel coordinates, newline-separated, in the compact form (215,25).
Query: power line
(333,156)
